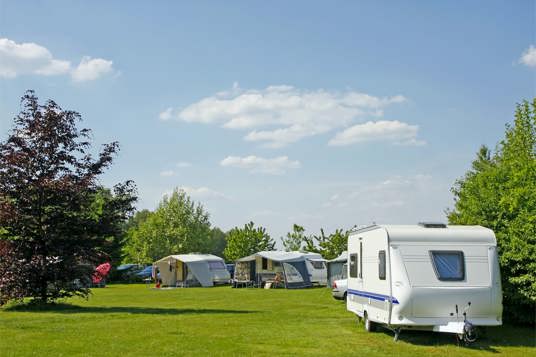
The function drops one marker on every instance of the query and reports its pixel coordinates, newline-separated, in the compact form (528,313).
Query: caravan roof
(420,233)
(189,258)
(280,256)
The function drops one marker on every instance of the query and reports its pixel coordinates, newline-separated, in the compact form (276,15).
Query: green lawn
(135,320)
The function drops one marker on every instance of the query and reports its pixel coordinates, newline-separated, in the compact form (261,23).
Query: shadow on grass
(489,339)
(76,309)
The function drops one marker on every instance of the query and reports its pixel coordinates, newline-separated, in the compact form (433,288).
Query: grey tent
(337,268)
(286,269)
(191,270)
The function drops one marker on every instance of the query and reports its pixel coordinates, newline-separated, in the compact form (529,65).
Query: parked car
(339,288)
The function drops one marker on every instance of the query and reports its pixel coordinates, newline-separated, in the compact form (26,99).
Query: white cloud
(274,166)
(167,173)
(280,115)
(203,193)
(29,58)
(183,164)
(528,58)
(392,131)
(166,114)
(90,69)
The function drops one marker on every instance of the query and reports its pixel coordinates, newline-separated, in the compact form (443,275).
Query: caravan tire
(369,325)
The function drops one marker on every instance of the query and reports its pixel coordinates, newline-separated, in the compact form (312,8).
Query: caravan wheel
(369,325)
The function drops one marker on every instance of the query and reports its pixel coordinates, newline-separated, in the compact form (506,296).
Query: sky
(324,114)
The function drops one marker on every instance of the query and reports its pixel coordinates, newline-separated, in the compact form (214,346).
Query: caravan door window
(264,264)
(360,260)
(448,265)
(353,265)
(381,264)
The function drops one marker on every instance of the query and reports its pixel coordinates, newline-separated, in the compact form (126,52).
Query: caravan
(427,277)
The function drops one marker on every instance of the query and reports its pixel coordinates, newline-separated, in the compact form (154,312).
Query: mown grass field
(128,320)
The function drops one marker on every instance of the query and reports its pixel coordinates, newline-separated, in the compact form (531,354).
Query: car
(339,288)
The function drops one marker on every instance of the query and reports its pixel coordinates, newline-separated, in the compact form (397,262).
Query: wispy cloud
(528,58)
(29,58)
(183,164)
(203,193)
(273,166)
(279,115)
(167,173)
(166,114)
(391,131)
(391,192)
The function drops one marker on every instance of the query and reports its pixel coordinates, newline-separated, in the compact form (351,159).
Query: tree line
(180,225)
(57,222)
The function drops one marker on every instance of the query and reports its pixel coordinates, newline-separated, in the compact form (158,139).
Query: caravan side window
(448,265)
(353,265)
(264,264)
(381,264)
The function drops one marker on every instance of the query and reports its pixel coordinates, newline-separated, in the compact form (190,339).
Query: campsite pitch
(136,320)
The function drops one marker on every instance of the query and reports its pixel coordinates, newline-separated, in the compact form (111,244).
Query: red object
(101,272)
(334,286)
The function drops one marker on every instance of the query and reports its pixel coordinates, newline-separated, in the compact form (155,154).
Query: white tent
(337,268)
(271,266)
(191,270)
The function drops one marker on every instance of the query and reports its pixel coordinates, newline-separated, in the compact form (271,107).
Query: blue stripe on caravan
(373,296)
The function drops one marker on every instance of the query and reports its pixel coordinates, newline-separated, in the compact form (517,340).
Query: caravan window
(381,264)
(448,265)
(216,265)
(353,265)
(264,264)
(316,264)
(360,260)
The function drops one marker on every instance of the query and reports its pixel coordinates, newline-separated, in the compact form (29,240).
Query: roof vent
(432,225)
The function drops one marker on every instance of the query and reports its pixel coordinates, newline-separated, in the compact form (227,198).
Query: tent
(191,270)
(337,268)
(285,269)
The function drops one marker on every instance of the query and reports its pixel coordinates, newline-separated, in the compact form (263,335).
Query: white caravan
(426,277)
(317,268)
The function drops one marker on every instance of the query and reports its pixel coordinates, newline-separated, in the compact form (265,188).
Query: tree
(245,241)
(499,192)
(179,225)
(111,209)
(52,214)
(330,246)
(294,239)
(218,242)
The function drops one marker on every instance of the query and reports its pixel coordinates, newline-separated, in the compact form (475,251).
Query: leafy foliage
(56,222)
(499,192)
(218,242)
(179,225)
(245,241)
(295,239)
(330,246)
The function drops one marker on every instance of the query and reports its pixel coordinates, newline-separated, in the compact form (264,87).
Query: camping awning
(275,256)
(341,258)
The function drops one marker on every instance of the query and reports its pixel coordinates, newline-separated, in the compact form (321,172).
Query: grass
(123,320)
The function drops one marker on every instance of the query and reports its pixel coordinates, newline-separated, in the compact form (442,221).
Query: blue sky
(325,114)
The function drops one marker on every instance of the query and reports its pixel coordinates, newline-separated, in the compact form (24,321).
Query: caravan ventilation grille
(432,225)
